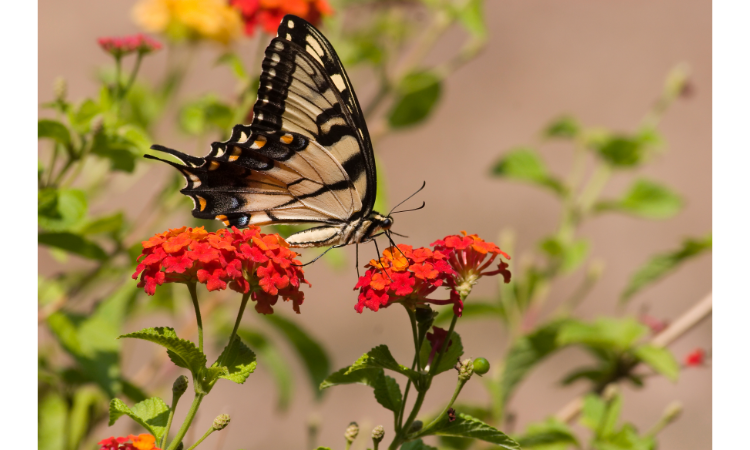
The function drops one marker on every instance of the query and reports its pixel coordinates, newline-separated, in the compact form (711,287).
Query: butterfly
(306,158)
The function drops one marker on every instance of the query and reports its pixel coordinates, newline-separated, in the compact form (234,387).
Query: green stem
(133,74)
(426,430)
(173,407)
(400,416)
(55,152)
(194,296)
(118,67)
(188,420)
(439,357)
(245,298)
(594,187)
(413,319)
(415,410)
(207,434)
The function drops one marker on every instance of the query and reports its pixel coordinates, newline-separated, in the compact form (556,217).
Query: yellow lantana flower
(191,19)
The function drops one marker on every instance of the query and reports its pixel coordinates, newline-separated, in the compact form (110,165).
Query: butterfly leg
(319,256)
(356,258)
(378,259)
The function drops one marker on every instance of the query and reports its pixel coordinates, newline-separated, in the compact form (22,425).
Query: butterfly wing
(307,156)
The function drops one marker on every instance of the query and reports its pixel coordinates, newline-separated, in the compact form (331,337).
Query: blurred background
(603,62)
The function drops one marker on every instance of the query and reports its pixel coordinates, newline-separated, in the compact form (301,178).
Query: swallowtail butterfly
(306,157)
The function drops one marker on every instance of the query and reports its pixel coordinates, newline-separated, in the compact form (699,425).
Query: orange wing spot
(287,138)
(202,202)
(260,142)
(223,218)
(236,152)
(213,166)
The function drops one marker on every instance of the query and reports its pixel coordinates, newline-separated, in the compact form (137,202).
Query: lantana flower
(140,442)
(404,275)
(268,13)
(696,358)
(215,20)
(472,257)
(121,46)
(243,260)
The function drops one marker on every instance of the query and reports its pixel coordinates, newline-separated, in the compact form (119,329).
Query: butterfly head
(383,223)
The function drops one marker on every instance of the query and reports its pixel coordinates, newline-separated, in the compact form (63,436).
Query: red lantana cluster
(408,275)
(140,442)
(268,13)
(696,358)
(243,260)
(122,46)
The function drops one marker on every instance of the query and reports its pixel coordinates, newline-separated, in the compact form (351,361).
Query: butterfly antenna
(407,210)
(407,198)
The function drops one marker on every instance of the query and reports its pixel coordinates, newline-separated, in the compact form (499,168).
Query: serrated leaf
(73,243)
(449,360)
(380,357)
(661,265)
(55,130)
(270,358)
(61,209)
(239,361)
(605,333)
(152,414)
(660,359)
(526,353)
(467,426)
(53,422)
(199,116)
(549,435)
(343,376)
(416,97)
(311,353)
(563,127)
(646,199)
(182,352)
(417,444)
(387,392)
(524,164)
(625,439)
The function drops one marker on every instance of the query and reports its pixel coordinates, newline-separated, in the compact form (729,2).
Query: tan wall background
(603,61)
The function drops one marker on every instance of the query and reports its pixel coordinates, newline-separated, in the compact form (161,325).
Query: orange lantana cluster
(243,260)
(468,255)
(140,442)
(268,13)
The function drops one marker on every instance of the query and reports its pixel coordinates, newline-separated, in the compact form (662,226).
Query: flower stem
(118,65)
(194,296)
(245,298)
(426,430)
(207,434)
(172,408)
(413,319)
(133,74)
(188,420)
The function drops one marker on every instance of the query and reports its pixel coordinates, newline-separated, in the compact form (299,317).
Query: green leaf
(111,225)
(181,351)
(74,244)
(660,359)
(605,333)
(199,116)
(138,138)
(270,358)
(387,392)
(92,339)
(151,414)
(593,411)
(524,164)
(646,199)
(566,127)
(53,418)
(549,435)
(470,427)
(81,119)
(526,353)
(622,151)
(472,310)
(471,17)
(311,353)
(611,416)
(119,150)
(663,264)
(417,444)
(235,63)
(61,209)
(368,377)
(239,361)
(449,360)
(85,401)
(416,97)
(570,255)
(380,357)
(55,130)
(625,439)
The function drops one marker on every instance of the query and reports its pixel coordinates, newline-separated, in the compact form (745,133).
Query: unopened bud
(351,432)
(60,89)
(377,433)
(425,314)
(465,370)
(180,446)
(221,422)
(415,426)
(672,412)
(179,386)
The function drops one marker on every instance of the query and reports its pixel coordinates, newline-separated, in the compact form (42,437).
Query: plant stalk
(194,297)
(188,420)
